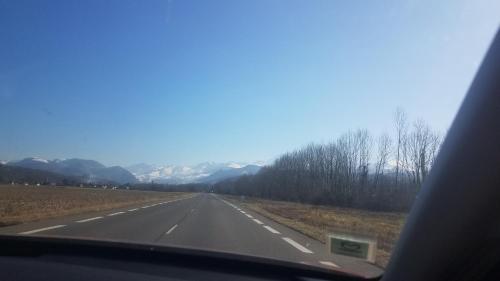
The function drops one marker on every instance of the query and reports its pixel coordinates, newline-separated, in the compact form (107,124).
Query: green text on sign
(349,248)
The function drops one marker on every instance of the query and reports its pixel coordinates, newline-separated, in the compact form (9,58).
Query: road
(203,221)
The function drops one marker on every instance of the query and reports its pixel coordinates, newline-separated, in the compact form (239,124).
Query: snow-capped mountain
(203,172)
(231,173)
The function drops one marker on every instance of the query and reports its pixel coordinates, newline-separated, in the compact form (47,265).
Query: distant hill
(86,170)
(15,174)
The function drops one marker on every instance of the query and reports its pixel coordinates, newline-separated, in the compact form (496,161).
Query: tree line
(356,170)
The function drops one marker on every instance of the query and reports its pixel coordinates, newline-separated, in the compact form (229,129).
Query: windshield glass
(293,130)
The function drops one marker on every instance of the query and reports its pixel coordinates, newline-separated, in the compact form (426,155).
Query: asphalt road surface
(203,221)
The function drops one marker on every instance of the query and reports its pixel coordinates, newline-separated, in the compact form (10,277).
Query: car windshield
(293,130)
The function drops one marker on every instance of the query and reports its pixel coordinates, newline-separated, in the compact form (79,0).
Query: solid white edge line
(297,245)
(115,214)
(272,230)
(42,229)
(132,210)
(258,221)
(90,219)
(171,229)
(329,263)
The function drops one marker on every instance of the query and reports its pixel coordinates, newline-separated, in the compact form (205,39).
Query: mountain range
(90,171)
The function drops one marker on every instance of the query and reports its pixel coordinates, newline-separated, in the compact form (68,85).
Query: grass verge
(317,221)
(19,204)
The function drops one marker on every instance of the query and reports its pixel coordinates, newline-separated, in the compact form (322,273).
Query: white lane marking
(42,229)
(145,207)
(250,216)
(132,210)
(329,263)
(171,229)
(91,219)
(115,214)
(297,245)
(243,212)
(272,230)
(258,221)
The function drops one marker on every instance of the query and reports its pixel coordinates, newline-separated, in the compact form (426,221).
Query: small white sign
(354,246)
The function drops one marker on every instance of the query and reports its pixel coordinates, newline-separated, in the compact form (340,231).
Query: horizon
(184,83)
(156,165)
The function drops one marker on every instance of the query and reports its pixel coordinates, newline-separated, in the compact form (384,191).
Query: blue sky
(183,82)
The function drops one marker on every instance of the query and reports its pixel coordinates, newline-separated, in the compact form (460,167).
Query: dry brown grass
(317,221)
(22,204)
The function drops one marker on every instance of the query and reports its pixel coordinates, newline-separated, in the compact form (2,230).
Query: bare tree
(337,173)
(401,128)
(423,144)
(383,153)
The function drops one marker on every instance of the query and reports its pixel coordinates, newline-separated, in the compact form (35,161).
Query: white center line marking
(250,216)
(297,245)
(171,229)
(91,219)
(272,230)
(132,210)
(43,229)
(117,213)
(258,221)
(329,263)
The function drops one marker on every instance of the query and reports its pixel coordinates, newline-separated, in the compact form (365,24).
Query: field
(20,204)
(317,221)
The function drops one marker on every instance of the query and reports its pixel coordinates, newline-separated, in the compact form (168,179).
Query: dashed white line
(171,229)
(115,214)
(297,245)
(258,221)
(133,210)
(272,230)
(329,263)
(145,207)
(243,212)
(91,219)
(250,216)
(42,229)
